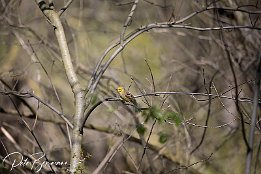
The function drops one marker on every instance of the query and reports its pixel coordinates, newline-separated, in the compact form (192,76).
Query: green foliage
(173,116)
(163,137)
(141,129)
(156,113)
(153,113)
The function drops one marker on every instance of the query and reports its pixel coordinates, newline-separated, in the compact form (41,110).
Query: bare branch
(253,117)
(151,75)
(65,7)
(113,150)
(128,20)
(29,95)
(32,133)
(208,114)
(228,55)
(186,167)
(74,83)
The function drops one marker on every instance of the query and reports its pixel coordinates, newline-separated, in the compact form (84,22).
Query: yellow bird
(126,96)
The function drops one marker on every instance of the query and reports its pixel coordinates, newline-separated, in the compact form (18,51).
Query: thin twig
(65,7)
(235,82)
(32,133)
(253,117)
(145,147)
(257,155)
(242,99)
(128,20)
(117,145)
(151,75)
(32,52)
(208,114)
(142,92)
(188,166)
(21,99)
(31,95)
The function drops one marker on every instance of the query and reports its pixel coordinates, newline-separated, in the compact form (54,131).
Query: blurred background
(186,132)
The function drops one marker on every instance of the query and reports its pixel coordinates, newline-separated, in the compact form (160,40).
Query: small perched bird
(126,96)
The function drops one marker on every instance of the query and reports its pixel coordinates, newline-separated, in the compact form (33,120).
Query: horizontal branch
(239,9)
(242,99)
(174,25)
(30,95)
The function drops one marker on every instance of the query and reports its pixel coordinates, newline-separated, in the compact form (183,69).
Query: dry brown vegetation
(193,66)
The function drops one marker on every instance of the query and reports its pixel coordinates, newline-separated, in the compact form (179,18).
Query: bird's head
(120,89)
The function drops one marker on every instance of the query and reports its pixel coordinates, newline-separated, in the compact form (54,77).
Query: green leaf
(173,116)
(141,129)
(153,113)
(163,137)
